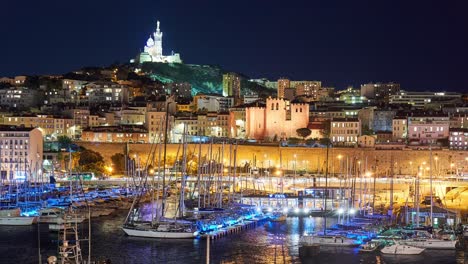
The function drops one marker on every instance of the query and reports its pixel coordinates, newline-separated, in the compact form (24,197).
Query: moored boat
(12,216)
(370,246)
(278,218)
(400,249)
(163,230)
(337,241)
(57,216)
(430,243)
(17,220)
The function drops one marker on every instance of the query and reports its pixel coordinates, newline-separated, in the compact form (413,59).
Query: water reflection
(271,243)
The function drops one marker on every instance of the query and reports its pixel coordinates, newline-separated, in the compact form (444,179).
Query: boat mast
(390,210)
(416,199)
(158,189)
(235,170)
(326,191)
(220,177)
(230,172)
(163,202)
(183,173)
(281,172)
(198,172)
(430,181)
(375,178)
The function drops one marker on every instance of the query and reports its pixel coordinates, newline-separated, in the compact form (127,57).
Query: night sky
(421,44)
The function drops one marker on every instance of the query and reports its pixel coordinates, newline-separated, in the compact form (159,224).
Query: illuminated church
(153,50)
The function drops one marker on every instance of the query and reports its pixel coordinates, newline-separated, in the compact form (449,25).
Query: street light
(339,164)
(411,167)
(295,165)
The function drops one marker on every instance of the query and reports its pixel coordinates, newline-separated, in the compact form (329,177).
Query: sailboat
(324,240)
(327,240)
(400,249)
(13,217)
(430,243)
(12,214)
(162,227)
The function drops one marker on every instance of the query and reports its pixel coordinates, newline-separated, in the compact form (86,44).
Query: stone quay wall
(406,162)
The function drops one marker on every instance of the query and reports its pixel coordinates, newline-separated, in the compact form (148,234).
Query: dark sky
(421,44)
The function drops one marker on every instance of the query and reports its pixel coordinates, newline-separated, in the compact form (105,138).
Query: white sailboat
(430,243)
(323,240)
(13,217)
(163,228)
(399,249)
(327,240)
(57,216)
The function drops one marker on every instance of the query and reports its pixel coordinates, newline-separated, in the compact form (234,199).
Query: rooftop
(4,128)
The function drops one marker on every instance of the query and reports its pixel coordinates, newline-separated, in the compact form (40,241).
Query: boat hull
(328,241)
(60,220)
(17,220)
(401,250)
(159,234)
(432,244)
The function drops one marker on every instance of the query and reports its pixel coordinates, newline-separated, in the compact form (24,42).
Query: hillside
(203,78)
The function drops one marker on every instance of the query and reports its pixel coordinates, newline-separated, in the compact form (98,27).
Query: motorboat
(401,249)
(56,215)
(323,240)
(430,243)
(278,218)
(370,246)
(13,217)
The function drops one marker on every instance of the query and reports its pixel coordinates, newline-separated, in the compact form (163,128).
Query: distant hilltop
(203,78)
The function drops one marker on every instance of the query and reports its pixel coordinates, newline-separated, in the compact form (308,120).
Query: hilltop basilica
(153,50)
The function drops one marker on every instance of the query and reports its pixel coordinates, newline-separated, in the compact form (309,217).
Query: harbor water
(268,243)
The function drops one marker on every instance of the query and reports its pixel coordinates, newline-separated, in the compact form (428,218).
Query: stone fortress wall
(311,159)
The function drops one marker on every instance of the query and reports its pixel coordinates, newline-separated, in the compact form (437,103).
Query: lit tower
(157,42)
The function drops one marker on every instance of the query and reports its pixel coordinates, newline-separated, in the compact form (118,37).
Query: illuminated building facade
(21,151)
(458,139)
(279,119)
(427,129)
(51,127)
(232,87)
(399,128)
(345,130)
(153,51)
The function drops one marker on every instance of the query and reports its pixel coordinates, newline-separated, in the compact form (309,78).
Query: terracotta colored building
(278,119)
(131,134)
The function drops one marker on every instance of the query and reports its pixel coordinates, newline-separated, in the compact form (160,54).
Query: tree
(367,131)
(88,157)
(303,132)
(118,160)
(326,129)
(293,141)
(325,141)
(64,142)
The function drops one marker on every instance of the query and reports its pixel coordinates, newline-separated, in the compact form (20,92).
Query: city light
(155,139)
